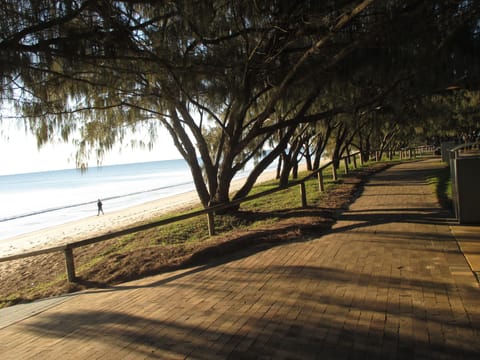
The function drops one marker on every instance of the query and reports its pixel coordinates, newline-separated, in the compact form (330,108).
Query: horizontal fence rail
(68,248)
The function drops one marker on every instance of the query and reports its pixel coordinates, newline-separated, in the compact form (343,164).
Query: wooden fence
(68,248)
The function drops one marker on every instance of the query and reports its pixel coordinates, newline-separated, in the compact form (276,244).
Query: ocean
(35,201)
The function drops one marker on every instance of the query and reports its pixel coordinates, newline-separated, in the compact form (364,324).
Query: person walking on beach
(100,207)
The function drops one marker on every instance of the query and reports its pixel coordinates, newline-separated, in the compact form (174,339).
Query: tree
(216,73)
(452,115)
(108,65)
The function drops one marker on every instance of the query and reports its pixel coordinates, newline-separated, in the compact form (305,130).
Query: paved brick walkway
(388,282)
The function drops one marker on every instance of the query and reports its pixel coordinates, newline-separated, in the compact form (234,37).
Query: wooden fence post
(303,193)
(321,185)
(70,264)
(211,223)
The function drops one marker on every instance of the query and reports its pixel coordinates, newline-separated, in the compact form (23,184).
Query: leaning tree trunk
(263,164)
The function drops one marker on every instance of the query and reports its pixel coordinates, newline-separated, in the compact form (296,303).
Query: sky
(19,152)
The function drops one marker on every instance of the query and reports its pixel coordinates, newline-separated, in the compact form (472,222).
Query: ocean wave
(69,206)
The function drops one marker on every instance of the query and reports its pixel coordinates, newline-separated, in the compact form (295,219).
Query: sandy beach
(97,225)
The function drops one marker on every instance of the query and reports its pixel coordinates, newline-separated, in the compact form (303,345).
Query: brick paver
(389,281)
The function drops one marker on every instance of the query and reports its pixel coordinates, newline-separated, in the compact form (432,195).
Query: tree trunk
(308,158)
(285,171)
(263,164)
(295,169)
(279,168)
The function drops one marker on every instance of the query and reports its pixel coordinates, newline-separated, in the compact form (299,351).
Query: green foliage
(441,181)
(232,79)
(454,114)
